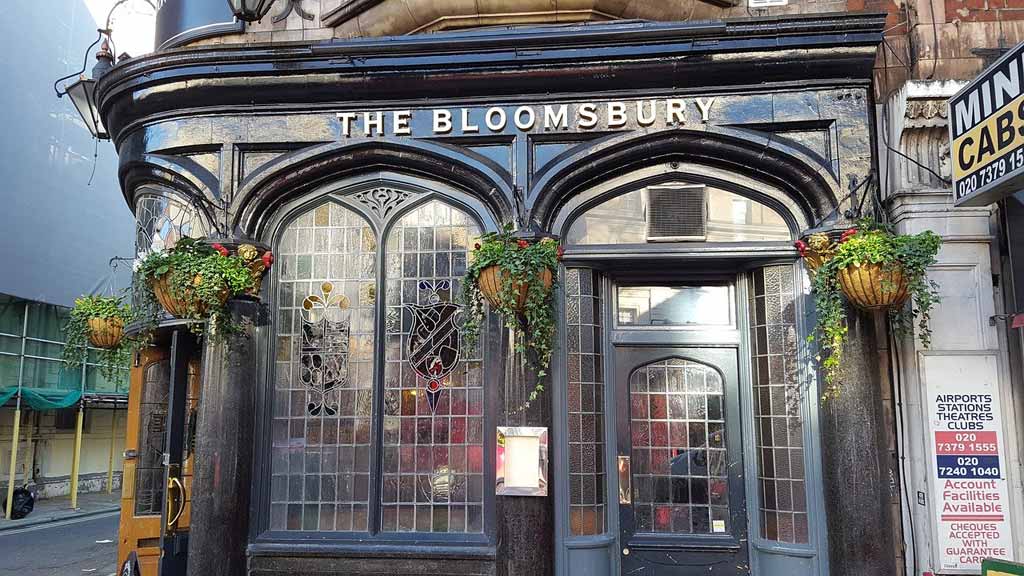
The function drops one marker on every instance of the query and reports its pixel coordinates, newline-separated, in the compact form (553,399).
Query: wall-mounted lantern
(250,10)
(522,461)
(83,92)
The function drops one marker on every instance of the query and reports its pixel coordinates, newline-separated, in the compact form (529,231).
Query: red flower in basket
(523,244)
(268,259)
(476,246)
(801,246)
(219,248)
(560,252)
(847,234)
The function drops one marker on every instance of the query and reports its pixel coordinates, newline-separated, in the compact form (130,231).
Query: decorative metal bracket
(289,6)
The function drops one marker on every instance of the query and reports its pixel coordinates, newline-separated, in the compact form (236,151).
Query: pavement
(74,546)
(59,509)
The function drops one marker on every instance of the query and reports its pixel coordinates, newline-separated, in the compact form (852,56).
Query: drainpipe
(110,456)
(30,450)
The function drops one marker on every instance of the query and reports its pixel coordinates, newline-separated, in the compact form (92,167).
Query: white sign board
(766,3)
(968,462)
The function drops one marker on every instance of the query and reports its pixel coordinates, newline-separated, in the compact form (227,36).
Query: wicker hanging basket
(178,305)
(872,287)
(105,332)
(492,278)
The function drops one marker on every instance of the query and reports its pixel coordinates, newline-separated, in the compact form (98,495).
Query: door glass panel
(677,423)
(149,470)
(674,306)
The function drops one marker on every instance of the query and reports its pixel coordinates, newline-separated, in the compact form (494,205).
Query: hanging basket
(105,332)
(178,305)
(872,287)
(492,279)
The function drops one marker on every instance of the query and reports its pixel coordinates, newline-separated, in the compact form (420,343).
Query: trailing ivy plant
(521,262)
(203,276)
(112,361)
(872,243)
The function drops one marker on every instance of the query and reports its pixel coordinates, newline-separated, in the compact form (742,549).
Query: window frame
(419,192)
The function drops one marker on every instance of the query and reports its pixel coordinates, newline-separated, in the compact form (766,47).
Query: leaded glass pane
(149,470)
(730,218)
(433,467)
(160,221)
(584,353)
(323,393)
(778,423)
(677,426)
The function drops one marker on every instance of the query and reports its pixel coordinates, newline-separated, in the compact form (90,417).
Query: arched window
(324,371)
(378,409)
(678,212)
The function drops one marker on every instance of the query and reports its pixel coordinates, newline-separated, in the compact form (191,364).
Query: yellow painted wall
(54,448)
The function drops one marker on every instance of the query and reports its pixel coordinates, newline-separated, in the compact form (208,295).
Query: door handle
(625,481)
(176,501)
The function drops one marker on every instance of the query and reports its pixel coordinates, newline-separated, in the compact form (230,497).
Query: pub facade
(674,161)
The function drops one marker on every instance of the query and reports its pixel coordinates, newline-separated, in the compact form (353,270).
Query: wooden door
(142,491)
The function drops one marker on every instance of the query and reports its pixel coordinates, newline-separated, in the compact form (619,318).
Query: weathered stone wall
(943,39)
(312,20)
(925,39)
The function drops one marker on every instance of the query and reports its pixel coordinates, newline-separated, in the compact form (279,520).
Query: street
(62,548)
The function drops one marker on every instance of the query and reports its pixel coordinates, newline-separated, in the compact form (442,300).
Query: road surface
(83,547)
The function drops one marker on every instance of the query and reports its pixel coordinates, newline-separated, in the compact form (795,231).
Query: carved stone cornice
(926,113)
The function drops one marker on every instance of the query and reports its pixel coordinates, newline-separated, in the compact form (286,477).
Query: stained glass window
(323,393)
(430,472)
(584,353)
(433,388)
(778,425)
(677,426)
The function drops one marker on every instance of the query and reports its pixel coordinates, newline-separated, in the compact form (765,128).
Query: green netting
(49,399)
(42,398)
(7,393)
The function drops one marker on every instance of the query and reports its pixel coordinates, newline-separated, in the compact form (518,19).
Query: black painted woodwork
(162,108)
(174,542)
(222,477)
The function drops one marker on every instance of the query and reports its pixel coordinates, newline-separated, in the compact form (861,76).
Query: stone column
(857,466)
(222,477)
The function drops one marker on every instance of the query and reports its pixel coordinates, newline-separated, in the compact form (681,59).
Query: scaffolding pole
(110,456)
(14,460)
(77,459)
(17,421)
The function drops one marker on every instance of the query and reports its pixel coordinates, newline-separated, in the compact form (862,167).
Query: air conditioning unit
(677,213)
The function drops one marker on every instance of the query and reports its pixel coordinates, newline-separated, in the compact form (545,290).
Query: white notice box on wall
(967,462)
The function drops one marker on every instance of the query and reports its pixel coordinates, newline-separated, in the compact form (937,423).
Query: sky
(132,23)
